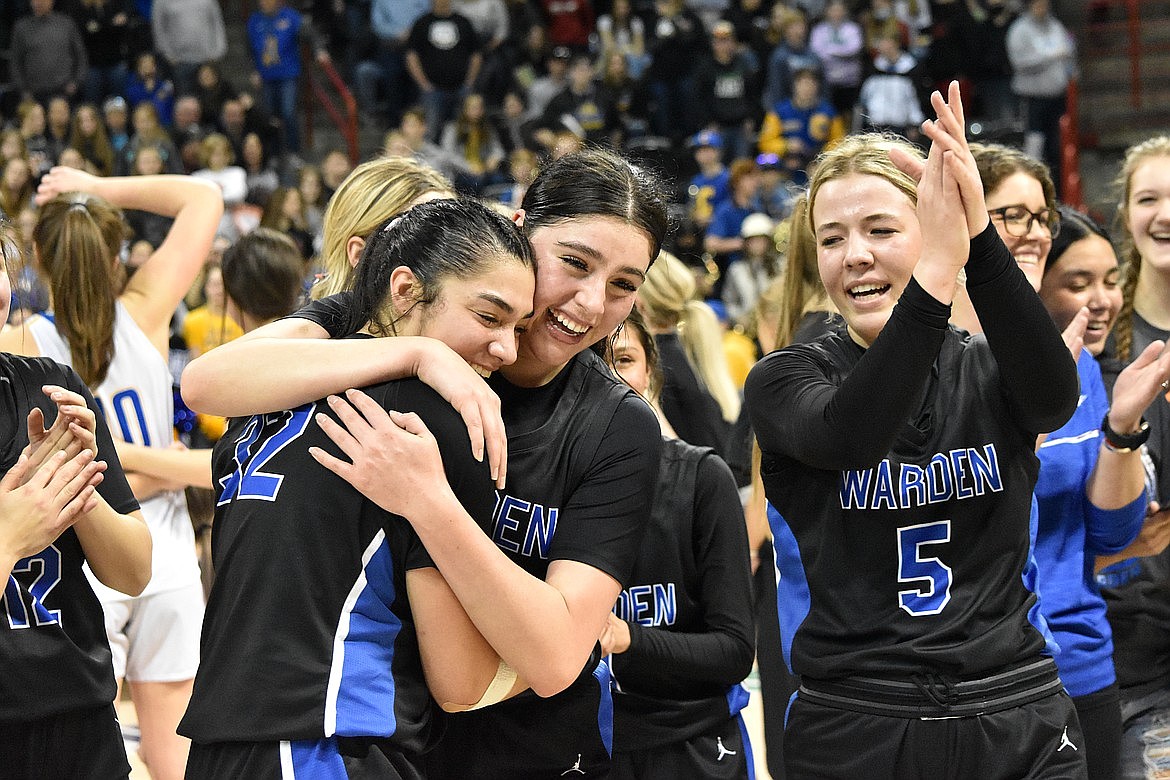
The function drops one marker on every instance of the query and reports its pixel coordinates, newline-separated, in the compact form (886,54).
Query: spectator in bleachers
(145,225)
(1042,54)
(489,19)
(58,117)
(285,213)
(529,57)
(624,32)
(16,186)
(755,270)
(777,192)
(751,19)
(586,102)
(147,132)
(569,22)
(32,128)
(116,119)
(630,99)
(915,14)
(722,237)
(47,56)
(677,44)
(889,97)
(798,129)
(711,185)
(412,139)
(790,55)
(212,90)
(989,67)
(839,44)
(879,21)
(472,138)
(103,25)
(725,87)
(71,158)
(335,167)
(12,144)
(262,178)
(275,33)
(312,195)
(188,33)
(380,78)
(90,139)
(218,166)
(188,131)
(555,78)
(443,57)
(147,83)
(513,127)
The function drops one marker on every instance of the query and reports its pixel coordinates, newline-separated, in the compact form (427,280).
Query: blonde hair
(216,142)
(867,154)
(799,289)
(1131,259)
(372,193)
(668,301)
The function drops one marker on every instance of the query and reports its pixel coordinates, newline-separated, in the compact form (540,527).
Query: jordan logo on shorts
(722,750)
(574,768)
(1065,741)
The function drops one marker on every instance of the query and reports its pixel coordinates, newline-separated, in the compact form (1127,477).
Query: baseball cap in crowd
(115,103)
(707,138)
(757,225)
(769,161)
(561,53)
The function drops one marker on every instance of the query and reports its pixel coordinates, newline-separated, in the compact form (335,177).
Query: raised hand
(62,179)
(1138,385)
(38,504)
(74,429)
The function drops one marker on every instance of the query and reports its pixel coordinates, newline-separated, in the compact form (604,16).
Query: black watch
(1124,442)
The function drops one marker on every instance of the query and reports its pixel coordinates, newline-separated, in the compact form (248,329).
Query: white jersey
(136,398)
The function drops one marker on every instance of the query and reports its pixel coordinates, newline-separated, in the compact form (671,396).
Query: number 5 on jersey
(931,576)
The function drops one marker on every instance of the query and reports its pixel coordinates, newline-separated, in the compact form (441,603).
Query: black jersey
(901,477)
(689,608)
(582,459)
(308,632)
(53,648)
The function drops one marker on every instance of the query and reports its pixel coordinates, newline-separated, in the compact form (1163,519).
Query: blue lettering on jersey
(249,480)
(522,527)
(648,605)
(961,473)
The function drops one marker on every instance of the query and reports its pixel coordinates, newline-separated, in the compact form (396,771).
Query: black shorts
(723,753)
(83,745)
(1038,740)
(337,757)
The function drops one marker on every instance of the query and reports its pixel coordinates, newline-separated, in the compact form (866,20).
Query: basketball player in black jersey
(681,635)
(328,630)
(57,696)
(541,576)
(898,457)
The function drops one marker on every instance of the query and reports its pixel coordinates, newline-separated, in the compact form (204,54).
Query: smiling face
(478,316)
(1087,275)
(1030,250)
(868,242)
(588,271)
(1147,212)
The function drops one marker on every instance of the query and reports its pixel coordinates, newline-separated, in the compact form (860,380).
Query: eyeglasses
(1017,220)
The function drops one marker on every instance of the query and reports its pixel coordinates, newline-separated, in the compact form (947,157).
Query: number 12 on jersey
(930,576)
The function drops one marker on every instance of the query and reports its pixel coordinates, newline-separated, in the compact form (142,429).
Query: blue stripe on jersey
(360,698)
(792,597)
(737,699)
(1035,616)
(311,759)
(602,674)
(748,758)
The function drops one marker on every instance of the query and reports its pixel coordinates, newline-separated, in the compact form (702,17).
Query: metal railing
(329,92)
